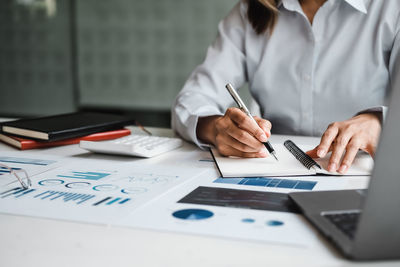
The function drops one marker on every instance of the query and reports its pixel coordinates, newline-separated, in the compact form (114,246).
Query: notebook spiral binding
(299,154)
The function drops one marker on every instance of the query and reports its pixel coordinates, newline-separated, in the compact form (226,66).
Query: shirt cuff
(193,133)
(378,110)
(185,123)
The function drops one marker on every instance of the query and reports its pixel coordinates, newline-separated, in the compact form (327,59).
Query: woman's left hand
(346,138)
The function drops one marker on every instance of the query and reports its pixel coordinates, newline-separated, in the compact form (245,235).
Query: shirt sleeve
(394,76)
(379,110)
(394,64)
(204,93)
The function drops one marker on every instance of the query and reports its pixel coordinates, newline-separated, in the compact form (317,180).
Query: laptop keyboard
(346,221)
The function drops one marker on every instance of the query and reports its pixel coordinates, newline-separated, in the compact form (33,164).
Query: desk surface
(27,241)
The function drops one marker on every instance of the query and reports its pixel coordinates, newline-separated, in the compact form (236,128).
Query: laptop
(364,224)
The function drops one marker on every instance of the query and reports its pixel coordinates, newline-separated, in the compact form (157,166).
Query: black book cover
(65,126)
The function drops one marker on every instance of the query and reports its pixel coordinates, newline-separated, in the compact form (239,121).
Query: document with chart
(205,206)
(91,190)
(32,163)
(256,209)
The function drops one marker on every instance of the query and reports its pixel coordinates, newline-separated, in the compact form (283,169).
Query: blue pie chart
(192,214)
(274,223)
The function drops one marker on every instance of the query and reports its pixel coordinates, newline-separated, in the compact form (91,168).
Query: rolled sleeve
(394,76)
(394,63)
(379,110)
(204,93)
(185,119)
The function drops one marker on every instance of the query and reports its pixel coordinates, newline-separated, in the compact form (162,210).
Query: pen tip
(274,154)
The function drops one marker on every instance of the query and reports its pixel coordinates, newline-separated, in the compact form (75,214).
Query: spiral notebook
(292,162)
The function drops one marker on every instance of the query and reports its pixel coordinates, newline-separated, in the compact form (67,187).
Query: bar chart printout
(7,171)
(32,164)
(84,175)
(60,196)
(26,161)
(269,182)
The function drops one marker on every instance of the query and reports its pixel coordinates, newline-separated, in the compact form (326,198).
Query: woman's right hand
(235,134)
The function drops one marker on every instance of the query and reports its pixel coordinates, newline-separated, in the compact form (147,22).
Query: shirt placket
(307,73)
(307,81)
(306,78)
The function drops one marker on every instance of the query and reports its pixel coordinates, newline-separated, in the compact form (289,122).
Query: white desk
(27,241)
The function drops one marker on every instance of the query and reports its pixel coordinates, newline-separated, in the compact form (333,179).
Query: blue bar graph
(27,161)
(60,196)
(269,182)
(6,170)
(124,201)
(85,175)
(11,190)
(65,196)
(16,192)
(101,201)
(25,192)
(110,200)
(83,199)
(113,201)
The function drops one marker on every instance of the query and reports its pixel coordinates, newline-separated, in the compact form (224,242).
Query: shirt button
(307,77)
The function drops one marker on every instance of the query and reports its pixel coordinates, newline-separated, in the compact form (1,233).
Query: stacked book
(64,129)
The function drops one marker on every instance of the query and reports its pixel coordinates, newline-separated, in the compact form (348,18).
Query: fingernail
(343,168)
(332,167)
(321,153)
(263,138)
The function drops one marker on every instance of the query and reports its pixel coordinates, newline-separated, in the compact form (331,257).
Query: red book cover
(23,143)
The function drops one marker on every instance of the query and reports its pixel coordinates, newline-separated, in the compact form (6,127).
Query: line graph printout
(32,163)
(91,190)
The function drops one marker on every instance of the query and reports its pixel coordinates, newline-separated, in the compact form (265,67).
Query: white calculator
(146,146)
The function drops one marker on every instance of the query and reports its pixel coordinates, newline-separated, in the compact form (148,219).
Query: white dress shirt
(303,76)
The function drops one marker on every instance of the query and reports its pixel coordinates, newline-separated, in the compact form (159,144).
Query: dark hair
(262,15)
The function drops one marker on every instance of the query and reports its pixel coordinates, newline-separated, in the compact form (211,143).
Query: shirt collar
(359,5)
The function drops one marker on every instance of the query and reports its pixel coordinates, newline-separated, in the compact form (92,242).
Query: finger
(246,123)
(227,150)
(227,127)
(314,152)
(229,140)
(337,152)
(265,125)
(243,136)
(370,149)
(351,152)
(327,139)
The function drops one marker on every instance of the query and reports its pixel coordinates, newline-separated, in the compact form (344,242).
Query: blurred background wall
(123,56)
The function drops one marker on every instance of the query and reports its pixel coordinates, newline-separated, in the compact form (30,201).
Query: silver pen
(243,107)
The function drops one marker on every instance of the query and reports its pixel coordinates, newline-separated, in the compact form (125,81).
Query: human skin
(234,134)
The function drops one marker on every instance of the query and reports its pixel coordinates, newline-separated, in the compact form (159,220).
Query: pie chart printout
(192,214)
